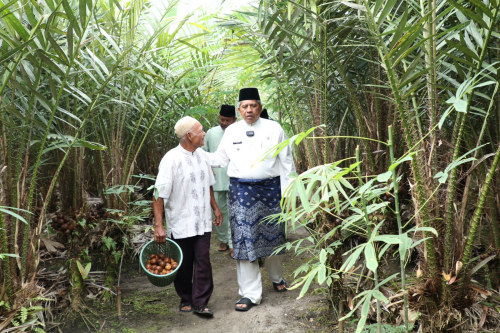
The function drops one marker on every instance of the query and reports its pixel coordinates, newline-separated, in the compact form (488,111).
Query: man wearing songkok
(255,191)
(264,114)
(185,195)
(227,116)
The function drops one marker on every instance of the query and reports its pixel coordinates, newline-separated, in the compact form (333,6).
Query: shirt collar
(257,123)
(186,152)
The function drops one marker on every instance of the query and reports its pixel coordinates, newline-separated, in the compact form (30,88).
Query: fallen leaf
(349,302)
(51,245)
(483,316)
(483,292)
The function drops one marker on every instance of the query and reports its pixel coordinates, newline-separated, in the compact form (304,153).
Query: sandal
(185,307)
(203,311)
(277,285)
(245,301)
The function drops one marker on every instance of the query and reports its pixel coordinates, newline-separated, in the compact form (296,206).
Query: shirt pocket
(268,145)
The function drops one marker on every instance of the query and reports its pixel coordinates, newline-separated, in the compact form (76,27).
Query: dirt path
(146,308)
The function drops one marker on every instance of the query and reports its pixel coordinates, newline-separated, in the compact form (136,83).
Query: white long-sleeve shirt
(243,147)
(183,181)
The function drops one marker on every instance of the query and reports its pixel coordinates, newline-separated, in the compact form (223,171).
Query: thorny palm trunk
(452,187)
(476,218)
(422,193)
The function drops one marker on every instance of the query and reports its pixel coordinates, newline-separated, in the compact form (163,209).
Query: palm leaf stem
(429,33)
(402,255)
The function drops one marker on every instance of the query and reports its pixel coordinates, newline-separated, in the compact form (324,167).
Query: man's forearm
(213,203)
(158,211)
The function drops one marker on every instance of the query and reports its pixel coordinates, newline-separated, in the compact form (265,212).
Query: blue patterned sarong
(250,202)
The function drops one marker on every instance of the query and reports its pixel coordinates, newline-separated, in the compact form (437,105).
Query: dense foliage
(90,89)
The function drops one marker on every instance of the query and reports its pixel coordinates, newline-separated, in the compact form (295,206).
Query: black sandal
(245,301)
(203,311)
(185,305)
(282,283)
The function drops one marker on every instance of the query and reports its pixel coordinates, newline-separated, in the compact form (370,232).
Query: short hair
(258,101)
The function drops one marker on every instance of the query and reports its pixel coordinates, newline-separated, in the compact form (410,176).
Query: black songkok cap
(227,110)
(249,94)
(264,114)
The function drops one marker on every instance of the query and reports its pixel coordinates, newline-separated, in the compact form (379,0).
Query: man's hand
(218,217)
(215,208)
(159,234)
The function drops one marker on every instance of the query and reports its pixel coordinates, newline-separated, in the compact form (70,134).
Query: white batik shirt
(244,145)
(183,181)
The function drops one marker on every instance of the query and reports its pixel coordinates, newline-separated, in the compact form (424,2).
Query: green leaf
(321,274)
(84,272)
(2,255)
(365,310)
(351,260)
(404,246)
(370,257)
(354,5)
(322,256)
(12,22)
(389,239)
(387,279)
(378,295)
(383,177)
(404,159)
(69,11)
(309,279)
(441,177)
(385,11)
(8,210)
(460,105)
(426,229)
(83,12)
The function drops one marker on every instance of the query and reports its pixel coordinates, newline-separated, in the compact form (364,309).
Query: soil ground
(146,308)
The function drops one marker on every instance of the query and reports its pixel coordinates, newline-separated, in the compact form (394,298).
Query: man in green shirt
(227,116)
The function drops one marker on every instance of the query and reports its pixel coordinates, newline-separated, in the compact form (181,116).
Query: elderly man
(227,116)
(185,194)
(255,190)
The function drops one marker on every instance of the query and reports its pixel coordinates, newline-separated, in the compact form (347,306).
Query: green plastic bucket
(169,249)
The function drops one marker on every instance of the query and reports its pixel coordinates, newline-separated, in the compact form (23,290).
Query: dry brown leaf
(51,246)
(483,316)
(453,278)
(482,291)
(352,270)
(349,302)
(419,271)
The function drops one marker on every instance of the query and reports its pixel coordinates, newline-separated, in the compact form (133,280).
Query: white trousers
(250,279)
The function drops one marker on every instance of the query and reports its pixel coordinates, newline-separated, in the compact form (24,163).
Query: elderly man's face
(250,111)
(197,135)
